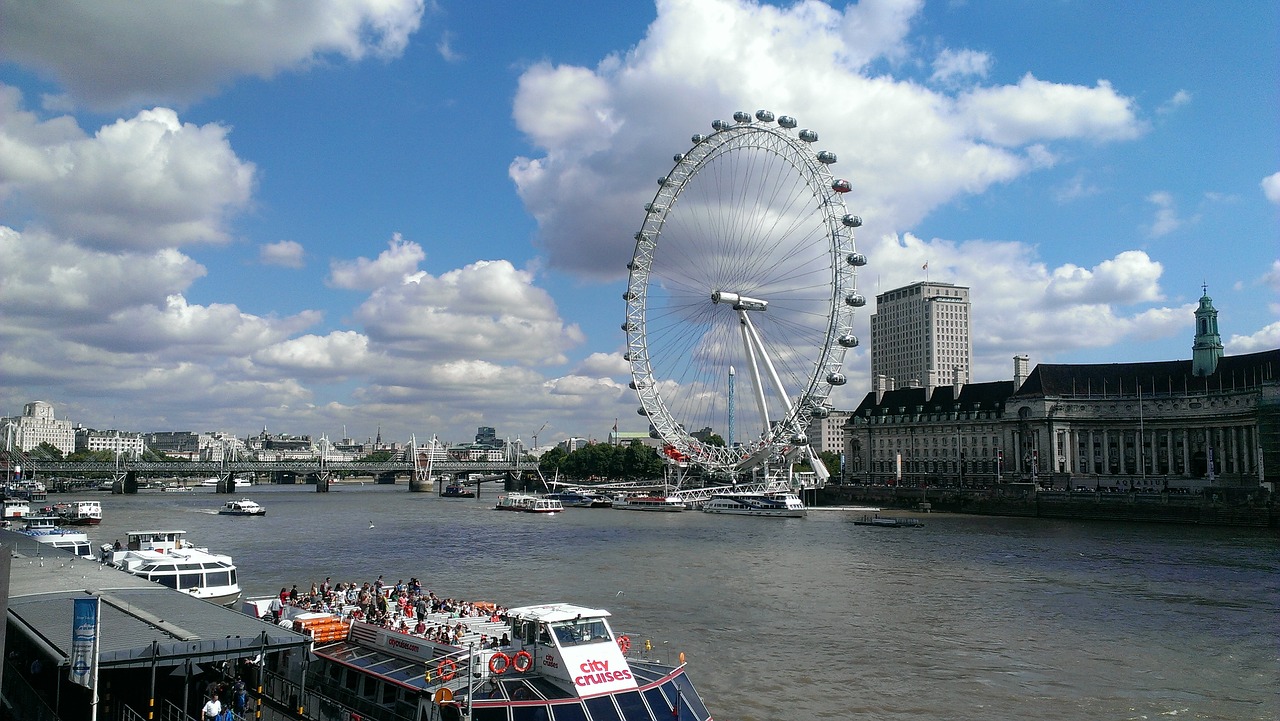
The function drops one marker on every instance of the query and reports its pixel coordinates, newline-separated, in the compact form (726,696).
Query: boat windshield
(573,633)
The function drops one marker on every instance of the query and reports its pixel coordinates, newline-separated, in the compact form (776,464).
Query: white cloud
(1035,109)
(146,182)
(909,149)
(117,53)
(1267,338)
(445,47)
(955,65)
(284,253)
(1166,219)
(487,309)
(392,266)
(1179,99)
(1131,277)
(1271,188)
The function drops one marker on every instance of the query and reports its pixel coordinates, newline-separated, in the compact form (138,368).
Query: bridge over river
(125,474)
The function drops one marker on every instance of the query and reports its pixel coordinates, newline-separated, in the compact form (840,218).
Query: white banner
(84,642)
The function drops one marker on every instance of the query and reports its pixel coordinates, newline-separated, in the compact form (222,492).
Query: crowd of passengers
(402,607)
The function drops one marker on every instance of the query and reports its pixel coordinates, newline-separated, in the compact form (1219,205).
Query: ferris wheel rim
(794,148)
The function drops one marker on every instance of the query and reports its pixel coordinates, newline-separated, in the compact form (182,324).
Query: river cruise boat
(544,506)
(514,501)
(772,504)
(46,529)
(167,558)
(562,661)
(649,503)
(242,507)
(580,499)
(213,483)
(81,513)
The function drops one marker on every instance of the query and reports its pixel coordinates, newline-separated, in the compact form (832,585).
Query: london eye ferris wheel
(745,265)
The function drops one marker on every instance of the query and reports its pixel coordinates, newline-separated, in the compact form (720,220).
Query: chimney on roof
(957,381)
(879,385)
(1021,369)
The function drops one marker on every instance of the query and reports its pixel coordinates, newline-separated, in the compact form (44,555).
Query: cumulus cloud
(140,183)
(907,148)
(1036,109)
(393,265)
(116,53)
(487,309)
(1130,277)
(1267,338)
(284,253)
(1271,188)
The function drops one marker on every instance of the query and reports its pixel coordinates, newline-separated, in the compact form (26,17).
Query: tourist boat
(456,491)
(81,513)
(242,507)
(167,558)
(776,504)
(514,501)
(579,499)
(562,662)
(544,505)
(887,522)
(649,503)
(175,488)
(16,508)
(213,483)
(45,529)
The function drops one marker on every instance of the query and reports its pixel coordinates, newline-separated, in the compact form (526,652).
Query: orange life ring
(447,669)
(522,662)
(499,663)
(624,643)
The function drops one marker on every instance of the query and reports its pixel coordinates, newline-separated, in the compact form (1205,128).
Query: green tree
(377,457)
(551,460)
(47,452)
(831,460)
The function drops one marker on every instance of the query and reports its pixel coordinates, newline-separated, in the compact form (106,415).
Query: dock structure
(158,649)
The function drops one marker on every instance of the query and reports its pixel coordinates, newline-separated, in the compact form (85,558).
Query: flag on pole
(925,266)
(84,642)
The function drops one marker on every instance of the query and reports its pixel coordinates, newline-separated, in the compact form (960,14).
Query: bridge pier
(322,482)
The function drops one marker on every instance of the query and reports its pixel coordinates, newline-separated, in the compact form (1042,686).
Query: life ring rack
(499,663)
(522,661)
(446,669)
(624,643)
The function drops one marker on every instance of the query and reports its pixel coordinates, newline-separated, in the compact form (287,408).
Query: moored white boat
(16,508)
(776,504)
(581,499)
(45,529)
(649,503)
(167,558)
(81,513)
(242,507)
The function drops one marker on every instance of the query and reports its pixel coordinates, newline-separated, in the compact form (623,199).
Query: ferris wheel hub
(739,302)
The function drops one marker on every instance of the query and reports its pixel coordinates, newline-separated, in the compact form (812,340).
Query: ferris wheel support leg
(819,468)
(768,363)
(753,364)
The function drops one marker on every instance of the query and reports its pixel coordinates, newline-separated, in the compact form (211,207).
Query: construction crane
(535,437)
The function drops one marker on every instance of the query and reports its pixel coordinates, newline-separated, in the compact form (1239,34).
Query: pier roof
(141,622)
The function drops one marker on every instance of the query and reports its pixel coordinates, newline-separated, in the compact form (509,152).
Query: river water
(968,618)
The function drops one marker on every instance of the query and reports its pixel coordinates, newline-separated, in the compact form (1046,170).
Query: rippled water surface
(817,618)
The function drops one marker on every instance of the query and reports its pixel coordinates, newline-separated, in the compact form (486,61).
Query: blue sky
(338,216)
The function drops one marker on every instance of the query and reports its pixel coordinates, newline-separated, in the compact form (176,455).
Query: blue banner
(84,642)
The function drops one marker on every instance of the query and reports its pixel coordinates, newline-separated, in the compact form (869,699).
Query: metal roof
(141,622)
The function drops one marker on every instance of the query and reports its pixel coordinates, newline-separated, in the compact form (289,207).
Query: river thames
(968,618)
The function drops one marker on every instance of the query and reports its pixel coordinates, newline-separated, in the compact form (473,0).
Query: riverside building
(920,336)
(1211,421)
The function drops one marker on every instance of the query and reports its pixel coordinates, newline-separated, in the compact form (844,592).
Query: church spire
(1207,348)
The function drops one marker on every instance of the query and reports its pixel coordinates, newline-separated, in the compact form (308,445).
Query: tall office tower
(920,336)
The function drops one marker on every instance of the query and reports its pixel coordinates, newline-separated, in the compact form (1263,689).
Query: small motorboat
(242,507)
(456,491)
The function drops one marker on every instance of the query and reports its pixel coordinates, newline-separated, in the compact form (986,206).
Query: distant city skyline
(418,215)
